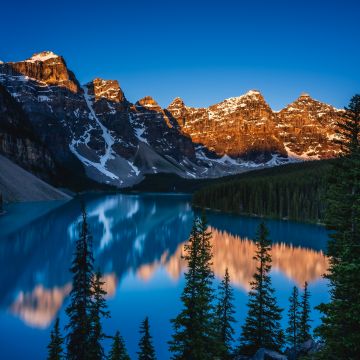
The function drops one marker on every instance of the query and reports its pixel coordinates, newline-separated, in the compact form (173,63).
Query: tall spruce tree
(304,326)
(262,325)
(81,297)
(97,312)
(118,349)
(193,336)
(224,319)
(294,317)
(146,348)
(55,347)
(340,328)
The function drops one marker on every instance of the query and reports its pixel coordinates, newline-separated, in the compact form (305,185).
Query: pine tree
(304,326)
(118,349)
(147,351)
(340,328)
(294,317)
(193,336)
(262,325)
(81,297)
(224,319)
(98,311)
(55,349)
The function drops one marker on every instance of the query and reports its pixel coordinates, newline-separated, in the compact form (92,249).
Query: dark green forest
(294,191)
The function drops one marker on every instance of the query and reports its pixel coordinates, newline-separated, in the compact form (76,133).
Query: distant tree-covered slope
(293,191)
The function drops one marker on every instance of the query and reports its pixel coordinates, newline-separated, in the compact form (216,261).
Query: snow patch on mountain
(139,129)
(109,140)
(43,56)
(231,164)
(134,168)
(293,157)
(85,138)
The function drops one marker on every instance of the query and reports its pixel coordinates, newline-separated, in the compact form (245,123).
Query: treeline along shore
(292,192)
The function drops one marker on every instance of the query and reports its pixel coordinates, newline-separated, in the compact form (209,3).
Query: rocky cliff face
(46,67)
(240,127)
(18,141)
(246,127)
(95,129)
(307,128)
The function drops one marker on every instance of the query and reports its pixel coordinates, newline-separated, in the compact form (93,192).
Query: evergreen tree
(340,328)
(118,349)
(55,349)
(224,319)
(304,326)
(193,336)
(294,317)
(98,311)
(262,325)
(81,297)
(147,351)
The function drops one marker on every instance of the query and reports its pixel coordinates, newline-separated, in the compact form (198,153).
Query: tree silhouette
(81,297)
(147,351)
(340,328)
(225,318)
(193,336)
(262,325)
(294,316)
(98,311)
(304,326)
(55,349)
(118,349)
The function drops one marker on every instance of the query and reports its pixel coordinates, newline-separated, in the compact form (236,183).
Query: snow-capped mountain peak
(43,56)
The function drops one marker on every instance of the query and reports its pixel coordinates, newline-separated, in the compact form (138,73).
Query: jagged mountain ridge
(117,142)
(247,127)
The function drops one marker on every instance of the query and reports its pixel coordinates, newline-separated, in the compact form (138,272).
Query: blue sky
(202,51)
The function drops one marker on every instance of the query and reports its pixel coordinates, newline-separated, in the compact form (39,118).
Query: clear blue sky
(202,51)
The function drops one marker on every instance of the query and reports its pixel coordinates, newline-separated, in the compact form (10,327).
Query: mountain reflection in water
(138,241)
(236,254)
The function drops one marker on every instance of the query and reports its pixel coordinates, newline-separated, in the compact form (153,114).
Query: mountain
(308,127)
(19,142)
(17,184)
(248,128)
(93,129)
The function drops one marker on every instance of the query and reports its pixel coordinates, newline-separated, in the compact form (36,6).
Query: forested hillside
(293,192)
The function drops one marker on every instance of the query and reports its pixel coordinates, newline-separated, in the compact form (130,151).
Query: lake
(137,241)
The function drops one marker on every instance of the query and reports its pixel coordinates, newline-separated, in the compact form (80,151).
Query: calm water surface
(138,241)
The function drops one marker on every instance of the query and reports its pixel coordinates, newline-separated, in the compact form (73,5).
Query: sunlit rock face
(107,89)
(39,307)
(149,103)
(242,126)
(247,127)
(236,254)
(46,67)
(308,127)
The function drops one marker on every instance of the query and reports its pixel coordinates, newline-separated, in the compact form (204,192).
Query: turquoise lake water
(138,240)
